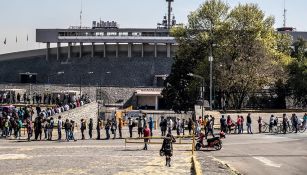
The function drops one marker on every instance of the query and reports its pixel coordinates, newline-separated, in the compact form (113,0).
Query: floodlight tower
(169,13)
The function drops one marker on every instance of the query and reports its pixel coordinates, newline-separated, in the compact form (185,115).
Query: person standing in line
(19,126)
(229,123)
(295,123)
(107,128)
(239,124)
(146,137)
(130,125)
(284,123)
(90,128)
(151,125)
(140,126)
(178,127)
(60,125)
(114,127)
(242,124)
(305,120)
(72,132)
(98,128)
(183,126)
(190,124)
(249,124)
(120,125)
(67,127)
(29,129)
(271,123)
(83,128)
(223,124)
(161,125)
(169,125)
(50,130)
(260,124)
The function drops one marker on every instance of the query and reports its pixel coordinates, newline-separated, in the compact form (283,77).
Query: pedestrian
(107,128)
(120,125)
(45,127)
(29,129)
(130,126)
(284,123)
(229,124)
(178,127)
(295,123)
(238,125)
(90,128)
(50,128)
(183,126)
(72,132)
(140,126)
(190,125)
(223,124)
(151,125)
(271,123)
(305,120)
(209,128)
(146,136)
(98,128)
(167,148)
(242,125)
(114,127)
(169,125)
(60,125)
(249,124)
(19,126)
(67,127)
(82,128)
(260,124)
(38,128)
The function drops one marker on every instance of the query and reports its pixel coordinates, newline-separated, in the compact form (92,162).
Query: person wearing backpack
(19,126)
(167,148)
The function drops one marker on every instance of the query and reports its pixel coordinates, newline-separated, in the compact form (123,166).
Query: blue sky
(21,17)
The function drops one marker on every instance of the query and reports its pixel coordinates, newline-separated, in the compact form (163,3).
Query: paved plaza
(244,154)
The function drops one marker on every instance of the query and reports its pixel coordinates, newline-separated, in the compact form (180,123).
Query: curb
(196,166)
(233,170)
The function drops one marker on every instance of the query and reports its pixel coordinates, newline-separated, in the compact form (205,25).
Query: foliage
(248,53)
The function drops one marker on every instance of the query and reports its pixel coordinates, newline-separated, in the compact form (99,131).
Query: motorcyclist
(167,148)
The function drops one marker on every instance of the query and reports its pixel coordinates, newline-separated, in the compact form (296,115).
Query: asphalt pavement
(259,154)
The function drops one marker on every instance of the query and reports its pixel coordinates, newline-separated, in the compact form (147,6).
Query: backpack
(168,145)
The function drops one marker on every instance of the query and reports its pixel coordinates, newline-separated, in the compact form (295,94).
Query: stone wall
(112,94)
(84,112)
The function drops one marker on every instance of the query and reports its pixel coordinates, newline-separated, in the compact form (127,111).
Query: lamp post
(52,75)
(81,76)
(202,91)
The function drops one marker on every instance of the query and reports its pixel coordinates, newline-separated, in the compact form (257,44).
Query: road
(260,154)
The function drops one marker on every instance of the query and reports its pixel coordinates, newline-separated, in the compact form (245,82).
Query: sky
(19,18)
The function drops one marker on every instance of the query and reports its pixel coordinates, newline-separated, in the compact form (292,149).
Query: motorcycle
(215,143)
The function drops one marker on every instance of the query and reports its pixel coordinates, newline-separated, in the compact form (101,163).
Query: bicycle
(264,127)
(302,127)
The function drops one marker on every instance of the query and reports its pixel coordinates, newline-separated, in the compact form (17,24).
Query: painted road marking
(14,156)
(267,162)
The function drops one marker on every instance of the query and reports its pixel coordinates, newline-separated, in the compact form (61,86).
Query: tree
(248,53)
(298,73)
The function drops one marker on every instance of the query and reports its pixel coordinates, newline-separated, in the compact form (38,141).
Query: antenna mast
(285,14)
(81,14)
(169,13)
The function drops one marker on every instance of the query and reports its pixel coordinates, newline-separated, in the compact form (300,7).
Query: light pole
(52,75)
(202,91)
(81,76)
